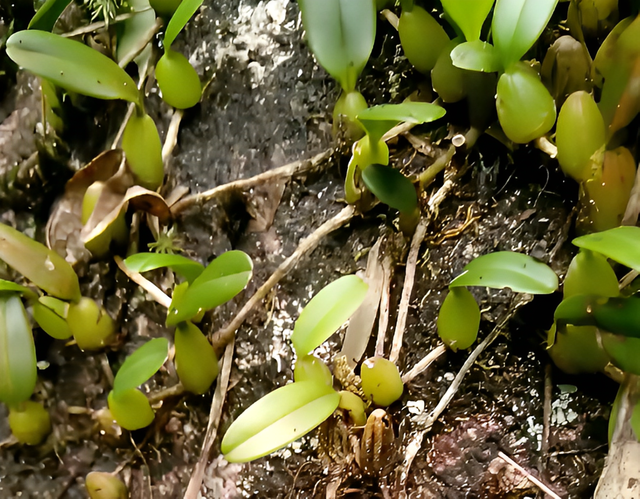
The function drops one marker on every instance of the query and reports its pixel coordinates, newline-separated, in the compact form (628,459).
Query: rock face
(266,103)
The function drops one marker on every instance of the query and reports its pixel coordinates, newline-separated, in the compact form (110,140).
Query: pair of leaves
(278,419)
(515,27)
(208,287)
(341,35)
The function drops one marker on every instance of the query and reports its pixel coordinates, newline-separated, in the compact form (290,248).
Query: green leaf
(277,419)
(326,312)
(71,65)
(378,120)
(42,266)
(517,24)
(469,15)
(131,409)
(507,269)
(18,372)
(476,56)
(621,244)
(134,34)
(12,286)
(223,279)
(391,187)
(144,262)
(47,15)
(341,35)
(180,18)
(141,365)
(50,322)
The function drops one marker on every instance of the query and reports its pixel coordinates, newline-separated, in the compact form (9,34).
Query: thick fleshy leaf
(476,56)
(12,286)
(180,18)
(143,262)
(220,281)
(617,315)
(507,269)
(277,419)
(378,120)
(590,273)
(469,15)
(391,187)
(341,35)
(621,244)
(517,24)
(18,372)
(326,312)
(42,266)
(71,65)
(141,365)
(48,14)
(135,32)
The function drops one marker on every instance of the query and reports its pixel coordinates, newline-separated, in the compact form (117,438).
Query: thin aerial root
(156,293)
(544,488)
(421,366)
(409,279)
(195,483)
(286,171)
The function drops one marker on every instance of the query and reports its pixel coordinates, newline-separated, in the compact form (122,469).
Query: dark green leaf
(341,35)
(48,14)
(378,120)
(71,65)
(326,312)
(476,56)
(277,419)
(391,187)
(621,244)
(18,372)
(506,269)
(517,24)
(141,365)
(42,266)
(223,279)
(469,15)
(143,262)
(180,18)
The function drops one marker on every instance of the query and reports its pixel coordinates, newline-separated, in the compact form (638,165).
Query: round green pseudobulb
(421,37)
(381,381)
(459,319)
(102,485)
(526,110)
(606,195)
(576,350)
(311,368)
(448,80)
(349,401)
(131,409)
(143,150)
(50,322)
(178,80)
(196,361)
(29,422)
(165,8)
(347,107)
(90,325)
(589,273)
(580,133)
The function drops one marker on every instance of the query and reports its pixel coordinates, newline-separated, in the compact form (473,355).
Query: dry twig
(215,413)
(544,488)
(421,366)
(226,334)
